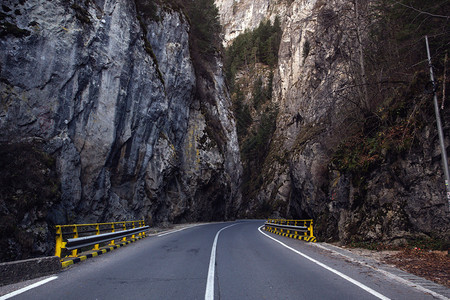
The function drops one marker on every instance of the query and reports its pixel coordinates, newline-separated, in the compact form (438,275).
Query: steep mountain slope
(350,149)
(112,94)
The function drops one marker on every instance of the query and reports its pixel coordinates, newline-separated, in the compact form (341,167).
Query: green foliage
(204,43)
(391,130)
(255,148)
(269,88)
(429,243)
(415,18)
(423,243)
(397,75)
(260,93)
(360,153)
(242,114)
(397,35)
(375,246)
(260,45)
(204,21)
(205,26)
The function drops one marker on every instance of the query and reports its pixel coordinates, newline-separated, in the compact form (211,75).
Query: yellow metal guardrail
(297,229)
(65,233)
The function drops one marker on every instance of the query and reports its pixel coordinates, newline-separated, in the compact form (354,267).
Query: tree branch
(422,12)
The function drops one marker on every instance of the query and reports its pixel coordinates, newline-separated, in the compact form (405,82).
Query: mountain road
(232,260)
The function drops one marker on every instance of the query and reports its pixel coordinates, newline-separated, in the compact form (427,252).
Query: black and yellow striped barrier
(296,229)
(113,235)
(67,261)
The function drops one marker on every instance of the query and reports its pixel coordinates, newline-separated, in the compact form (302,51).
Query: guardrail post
(304,225)
(97,246)
(143,224)
(134,226)
(310,228)
(59,241)
(112,230)
(140,225)
(124,239)
(75,235)
(94,238)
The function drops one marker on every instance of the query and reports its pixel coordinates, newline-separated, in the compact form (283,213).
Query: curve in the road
(209,292)
(355,282)
(242,263)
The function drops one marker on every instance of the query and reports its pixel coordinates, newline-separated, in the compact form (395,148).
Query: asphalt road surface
(234,260)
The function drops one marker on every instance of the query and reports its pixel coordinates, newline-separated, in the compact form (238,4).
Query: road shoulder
(390,271)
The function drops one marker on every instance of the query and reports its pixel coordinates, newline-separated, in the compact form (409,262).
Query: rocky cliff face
(111,95)
(237,16)
(401,196)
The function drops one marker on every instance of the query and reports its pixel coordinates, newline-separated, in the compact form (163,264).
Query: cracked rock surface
(112,99)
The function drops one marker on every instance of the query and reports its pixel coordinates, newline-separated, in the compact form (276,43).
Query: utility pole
(439,126)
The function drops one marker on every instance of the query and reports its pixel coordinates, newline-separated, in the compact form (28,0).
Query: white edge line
(388,274)
(209,292)
(32,286)
(357,283)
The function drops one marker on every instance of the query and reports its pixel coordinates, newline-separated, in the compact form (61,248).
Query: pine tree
(205,26)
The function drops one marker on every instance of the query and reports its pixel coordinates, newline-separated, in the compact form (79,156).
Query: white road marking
(388,274)
(357,283)
(27,288)
(209,293)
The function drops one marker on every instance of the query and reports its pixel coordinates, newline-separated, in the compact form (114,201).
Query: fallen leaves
(432,265)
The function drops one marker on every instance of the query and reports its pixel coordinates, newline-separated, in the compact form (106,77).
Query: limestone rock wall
(111,96)
(403,197)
